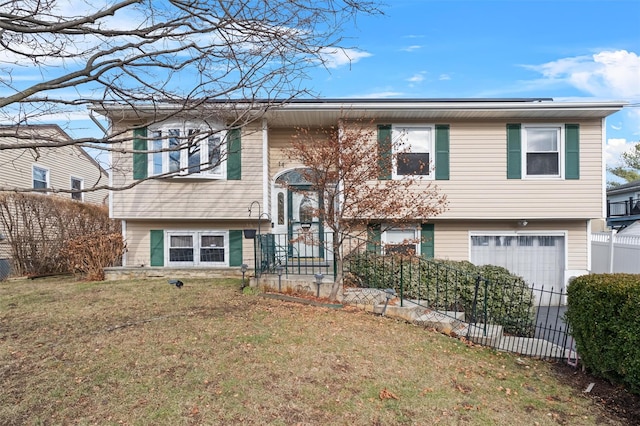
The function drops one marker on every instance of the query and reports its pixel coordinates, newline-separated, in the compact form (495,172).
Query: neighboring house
(63,167)
(523,177)
(623,205)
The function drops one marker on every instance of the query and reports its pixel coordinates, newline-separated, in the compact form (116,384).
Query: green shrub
(604,317)
(501,297)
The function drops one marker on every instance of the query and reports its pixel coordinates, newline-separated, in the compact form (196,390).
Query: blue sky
(466,49)
(561,49)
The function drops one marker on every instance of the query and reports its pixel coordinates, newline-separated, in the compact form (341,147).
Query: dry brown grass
(145,352)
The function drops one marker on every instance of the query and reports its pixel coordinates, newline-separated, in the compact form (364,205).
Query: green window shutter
(140,159)
(234,157)
(374,239)
(427,246)
(442,152)
(156,243)
(572,151)
(514,152)
(384,151)
(235,247)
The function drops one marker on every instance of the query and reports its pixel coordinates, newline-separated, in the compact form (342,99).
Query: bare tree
(344,167)
(61,56)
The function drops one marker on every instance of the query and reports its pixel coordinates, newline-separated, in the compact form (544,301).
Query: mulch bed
(614,398)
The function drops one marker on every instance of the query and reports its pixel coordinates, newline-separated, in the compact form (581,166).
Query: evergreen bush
(604,316)
(487,293)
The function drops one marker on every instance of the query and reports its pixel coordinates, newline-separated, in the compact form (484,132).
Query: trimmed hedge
(604,317)
(502,298)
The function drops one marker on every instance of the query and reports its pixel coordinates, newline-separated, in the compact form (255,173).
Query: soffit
(323,114)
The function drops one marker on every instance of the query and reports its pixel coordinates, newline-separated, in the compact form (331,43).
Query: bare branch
(142,55)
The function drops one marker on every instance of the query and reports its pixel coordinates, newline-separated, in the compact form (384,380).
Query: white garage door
(539,259)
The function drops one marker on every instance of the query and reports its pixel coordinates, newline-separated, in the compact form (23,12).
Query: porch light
(523,223)
(319,278)
(279,270)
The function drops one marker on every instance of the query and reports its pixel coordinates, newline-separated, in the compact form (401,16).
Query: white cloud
(614,150)
(444,77)
(416,78)
(607,74)
(337,57)
(411,48)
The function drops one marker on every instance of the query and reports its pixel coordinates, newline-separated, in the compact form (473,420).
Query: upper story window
(77,184)
(542,150)
(40,178)
(414,149)
(186,149)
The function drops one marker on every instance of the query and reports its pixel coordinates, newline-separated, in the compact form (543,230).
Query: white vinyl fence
(615,253)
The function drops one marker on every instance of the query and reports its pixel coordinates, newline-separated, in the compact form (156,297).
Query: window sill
(196,177)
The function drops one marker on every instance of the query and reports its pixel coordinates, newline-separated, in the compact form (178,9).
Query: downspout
(265,167)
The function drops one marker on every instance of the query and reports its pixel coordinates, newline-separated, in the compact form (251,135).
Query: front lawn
(146,352)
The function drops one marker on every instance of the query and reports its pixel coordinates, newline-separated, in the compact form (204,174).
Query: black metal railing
(299,253)
(629,207)
(530,319)
(486,299)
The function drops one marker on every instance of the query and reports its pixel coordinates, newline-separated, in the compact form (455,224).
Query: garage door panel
(539,259)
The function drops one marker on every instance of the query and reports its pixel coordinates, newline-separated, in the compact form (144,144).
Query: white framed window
(197,248)
(187,149)
(543,153)
(414,147)
(77,184)
(40,177)
(404,240)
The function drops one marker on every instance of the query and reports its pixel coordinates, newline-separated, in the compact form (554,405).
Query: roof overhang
(321,112)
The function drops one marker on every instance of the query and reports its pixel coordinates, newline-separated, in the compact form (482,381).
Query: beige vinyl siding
(137,238)
(452,237)
(62,163)
(279,141)
(192,198)
(478,187)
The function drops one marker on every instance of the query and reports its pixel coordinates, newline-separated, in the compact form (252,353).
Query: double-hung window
(543,151)
(186,149)
(414,148)
(204,248)
(40,177)
(77,184)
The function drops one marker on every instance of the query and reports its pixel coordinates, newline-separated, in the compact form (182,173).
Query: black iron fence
(483,303)
(629,207)
(298,253)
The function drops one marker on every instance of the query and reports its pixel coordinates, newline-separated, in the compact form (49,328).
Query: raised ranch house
(524,179)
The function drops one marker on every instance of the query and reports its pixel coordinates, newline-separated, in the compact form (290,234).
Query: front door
(304,226)
(296,226)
